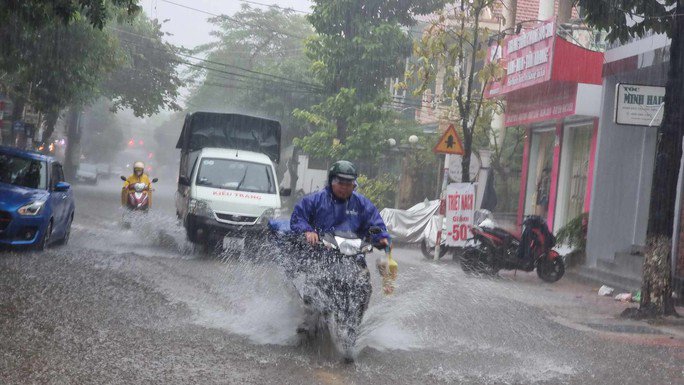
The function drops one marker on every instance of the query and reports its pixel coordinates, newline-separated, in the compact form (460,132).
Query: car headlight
(200,208)
(267,216)
(31,209)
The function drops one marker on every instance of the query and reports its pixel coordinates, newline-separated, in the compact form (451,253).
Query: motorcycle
(137,198)
(496,249)
(427,244)
(335,287)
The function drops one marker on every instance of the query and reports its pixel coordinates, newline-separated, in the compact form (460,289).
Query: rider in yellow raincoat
(138,176)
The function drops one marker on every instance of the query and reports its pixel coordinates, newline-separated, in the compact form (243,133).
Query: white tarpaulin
(460,209)
(412,225)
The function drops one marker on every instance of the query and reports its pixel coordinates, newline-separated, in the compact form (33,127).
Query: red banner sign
(526,57)
(554,103)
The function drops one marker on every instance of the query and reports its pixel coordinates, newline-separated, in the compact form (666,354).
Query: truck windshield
(23,172)
(236,175)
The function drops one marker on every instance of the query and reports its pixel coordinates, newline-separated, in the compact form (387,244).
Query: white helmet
(139,165)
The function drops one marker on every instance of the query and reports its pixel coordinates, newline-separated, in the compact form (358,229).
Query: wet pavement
(138,306)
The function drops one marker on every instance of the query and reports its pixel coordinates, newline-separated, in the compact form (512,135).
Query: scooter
(137,199)
(427,244)
(496,249)
(333,280)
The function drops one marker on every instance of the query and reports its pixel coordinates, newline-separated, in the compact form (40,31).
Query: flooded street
(138,306)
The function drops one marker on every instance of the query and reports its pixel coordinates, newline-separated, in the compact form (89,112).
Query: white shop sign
(638,105)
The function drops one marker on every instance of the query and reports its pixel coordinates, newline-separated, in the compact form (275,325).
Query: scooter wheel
(429,252)
(551,270)
(469,260)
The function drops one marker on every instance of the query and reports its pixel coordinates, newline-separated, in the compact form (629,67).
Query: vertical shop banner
(460,210)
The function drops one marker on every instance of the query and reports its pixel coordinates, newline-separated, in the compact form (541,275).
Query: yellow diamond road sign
(449,143)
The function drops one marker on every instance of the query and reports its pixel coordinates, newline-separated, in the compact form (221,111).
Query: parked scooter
(496,249)
(427,245)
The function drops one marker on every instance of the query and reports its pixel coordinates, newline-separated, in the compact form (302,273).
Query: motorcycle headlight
(200,208)
(349,246)
(31,209)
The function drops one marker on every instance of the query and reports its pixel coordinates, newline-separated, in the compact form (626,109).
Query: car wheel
(45,239)
(67,232)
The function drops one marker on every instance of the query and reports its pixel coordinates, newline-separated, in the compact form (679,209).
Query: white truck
(227,185)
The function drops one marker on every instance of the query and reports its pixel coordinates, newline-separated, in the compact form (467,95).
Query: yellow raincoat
(133,179)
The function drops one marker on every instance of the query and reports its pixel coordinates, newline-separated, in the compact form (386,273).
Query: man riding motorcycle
(138,176)
(336,208)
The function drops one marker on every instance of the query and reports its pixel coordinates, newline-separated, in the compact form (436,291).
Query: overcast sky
(190,28)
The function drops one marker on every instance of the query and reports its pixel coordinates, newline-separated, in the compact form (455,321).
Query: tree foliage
(52,76)
(358,46)
(381,190)
(452,53)
(146,79)
(39,13)
(623,19)
(256,65)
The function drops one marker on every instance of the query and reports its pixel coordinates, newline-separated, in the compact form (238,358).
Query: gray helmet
(342,169)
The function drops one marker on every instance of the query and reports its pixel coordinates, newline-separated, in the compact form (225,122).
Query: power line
(275,6)
(282,78)
(243,78)
(242,75)
(234,20)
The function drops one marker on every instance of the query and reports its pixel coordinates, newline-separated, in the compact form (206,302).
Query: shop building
(552,87)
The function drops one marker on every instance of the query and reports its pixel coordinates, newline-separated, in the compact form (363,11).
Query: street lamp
(391,142)
(413,139)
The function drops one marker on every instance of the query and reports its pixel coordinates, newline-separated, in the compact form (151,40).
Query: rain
(341,192)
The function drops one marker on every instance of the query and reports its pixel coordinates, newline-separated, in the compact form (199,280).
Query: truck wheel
(191,232)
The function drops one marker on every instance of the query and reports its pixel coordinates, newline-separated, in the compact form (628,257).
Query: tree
(146,80)
(360,44)
(53,76)
(38,13)
(256,65)
(634,18)
(451,53)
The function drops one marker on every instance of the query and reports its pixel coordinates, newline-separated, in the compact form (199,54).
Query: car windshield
(23,172)
(236,175)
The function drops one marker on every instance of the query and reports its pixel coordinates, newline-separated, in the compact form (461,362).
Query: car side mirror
(285,192)
(184,181)
(123,178)
(62,186)
(155,180)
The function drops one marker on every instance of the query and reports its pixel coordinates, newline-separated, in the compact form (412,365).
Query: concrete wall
(310,180)
(622,179)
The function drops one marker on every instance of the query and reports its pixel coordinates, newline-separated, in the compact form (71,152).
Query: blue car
(36,205)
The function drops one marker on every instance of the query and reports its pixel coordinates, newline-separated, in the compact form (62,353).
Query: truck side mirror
(285,192)
(155,180)
(123,178)
(184,181)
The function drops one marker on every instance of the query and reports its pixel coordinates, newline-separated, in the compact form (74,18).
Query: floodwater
(139,305)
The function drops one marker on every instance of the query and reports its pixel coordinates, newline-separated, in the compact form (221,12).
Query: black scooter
(333,281)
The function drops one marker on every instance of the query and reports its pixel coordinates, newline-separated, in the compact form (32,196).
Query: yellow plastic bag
(388,269)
